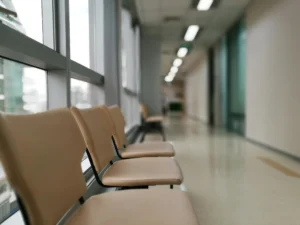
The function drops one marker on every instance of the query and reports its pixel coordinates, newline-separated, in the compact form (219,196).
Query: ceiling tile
(139,5)
(174,12)
(175,4)
(151,5)
(196,17)
(153,17)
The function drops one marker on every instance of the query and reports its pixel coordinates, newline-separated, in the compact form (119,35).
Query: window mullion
(59,83)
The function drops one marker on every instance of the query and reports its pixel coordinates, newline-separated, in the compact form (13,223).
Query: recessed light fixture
(191,32)
(204,5)
(182,52)
(174,70)
(177,62)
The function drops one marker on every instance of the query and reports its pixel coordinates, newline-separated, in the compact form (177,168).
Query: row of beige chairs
(41,154)
(144,171)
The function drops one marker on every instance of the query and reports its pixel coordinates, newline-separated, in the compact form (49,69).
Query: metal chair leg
(162,131)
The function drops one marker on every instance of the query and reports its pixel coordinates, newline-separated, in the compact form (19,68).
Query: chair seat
(149,149)
(136,207)
(155,119)
(143,172)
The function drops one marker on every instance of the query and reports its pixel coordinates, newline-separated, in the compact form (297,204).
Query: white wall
(196,91)
(273,74)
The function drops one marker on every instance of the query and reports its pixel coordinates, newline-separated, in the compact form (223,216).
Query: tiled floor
(227,181)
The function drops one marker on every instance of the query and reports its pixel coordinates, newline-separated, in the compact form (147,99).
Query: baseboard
(281,152)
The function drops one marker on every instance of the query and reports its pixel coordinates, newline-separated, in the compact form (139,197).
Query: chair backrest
(97,131)
(144,111)
(113,126)
(119,122)
(41,154)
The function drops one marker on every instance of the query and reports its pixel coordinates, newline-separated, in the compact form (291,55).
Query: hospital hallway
(232,181)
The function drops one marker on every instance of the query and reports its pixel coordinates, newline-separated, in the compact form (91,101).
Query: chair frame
(111,163)
(99,181)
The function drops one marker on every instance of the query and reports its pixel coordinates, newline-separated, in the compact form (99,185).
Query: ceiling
(214,23)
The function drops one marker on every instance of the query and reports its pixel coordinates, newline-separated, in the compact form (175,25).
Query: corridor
(231,181)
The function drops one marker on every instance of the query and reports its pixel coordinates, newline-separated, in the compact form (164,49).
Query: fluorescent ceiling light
(174,70)
(170,77)
(191,33)
(172,74)
(182,52)
(204,5)
(177,62)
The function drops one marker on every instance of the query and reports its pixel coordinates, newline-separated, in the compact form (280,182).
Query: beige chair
(147,149)
(41,155)
(147,118)
(96,129)
(150,123)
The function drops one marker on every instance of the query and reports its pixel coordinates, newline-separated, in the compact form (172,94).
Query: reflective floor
(233,182)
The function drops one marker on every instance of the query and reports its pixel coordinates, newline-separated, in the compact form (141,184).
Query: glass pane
(22,90)
(236,79)
(24,16)
(80,94)
(131,110)
(79,31)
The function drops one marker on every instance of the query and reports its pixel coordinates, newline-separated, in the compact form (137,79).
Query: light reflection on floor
(226,181)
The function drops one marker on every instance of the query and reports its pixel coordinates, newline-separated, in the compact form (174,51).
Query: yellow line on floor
(283,169)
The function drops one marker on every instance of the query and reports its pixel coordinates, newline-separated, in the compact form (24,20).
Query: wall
(196,91)
(273,80)
(151,91)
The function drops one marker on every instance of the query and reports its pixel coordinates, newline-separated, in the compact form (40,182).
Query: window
(80,94)
(22,90)
(23,16)
(130,71)
(131,110)
(127,50)
(7,197)
(79,31)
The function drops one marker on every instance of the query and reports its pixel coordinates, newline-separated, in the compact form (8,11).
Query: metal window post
(58,81)
(112,50)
